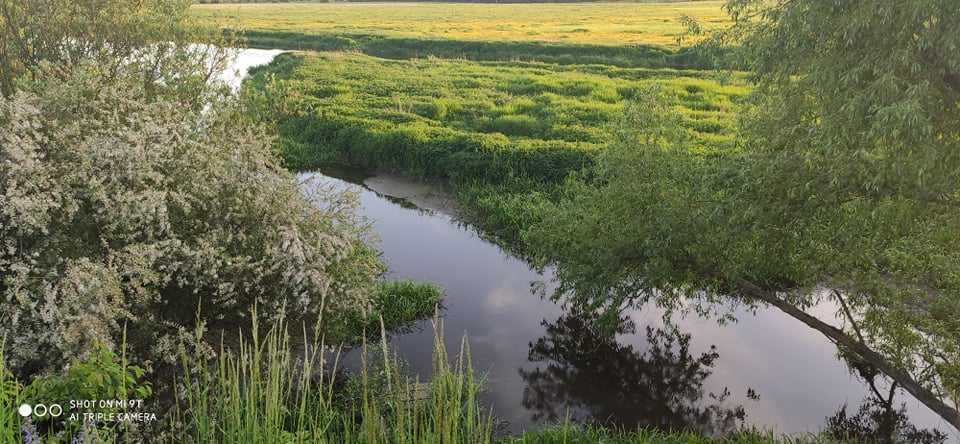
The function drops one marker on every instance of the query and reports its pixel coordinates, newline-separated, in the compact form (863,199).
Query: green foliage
(122,208)
(101,375)
(47,40)
(504,133)
(262,393)
(395,306)
(647,176)
(132,189)
(869,147)
(845,178)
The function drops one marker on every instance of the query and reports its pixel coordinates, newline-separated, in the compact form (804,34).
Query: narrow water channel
(542,364)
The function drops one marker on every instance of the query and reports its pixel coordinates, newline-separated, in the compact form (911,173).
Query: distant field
(583,23)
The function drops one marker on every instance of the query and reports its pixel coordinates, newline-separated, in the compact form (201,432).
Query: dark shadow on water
(585,375)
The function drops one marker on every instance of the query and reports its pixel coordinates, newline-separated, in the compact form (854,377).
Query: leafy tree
(844,186)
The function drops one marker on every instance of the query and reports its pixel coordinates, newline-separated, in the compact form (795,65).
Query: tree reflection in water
(588,376)
(879,420)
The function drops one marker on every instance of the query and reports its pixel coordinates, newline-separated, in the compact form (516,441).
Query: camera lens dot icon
(25,410)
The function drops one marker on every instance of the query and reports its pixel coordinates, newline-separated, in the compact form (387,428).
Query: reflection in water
(488,297)
(879,420)
(588,376)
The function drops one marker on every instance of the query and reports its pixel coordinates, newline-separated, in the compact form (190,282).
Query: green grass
(273,388)
(10,398)
(625,34)
(397,304)
(463,120)
(617,24)
(262,393)
(505,134)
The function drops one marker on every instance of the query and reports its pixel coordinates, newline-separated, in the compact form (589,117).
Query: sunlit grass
(595,23)
(463,120)
(10,420)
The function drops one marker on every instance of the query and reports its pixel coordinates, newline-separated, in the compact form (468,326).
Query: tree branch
(921,393)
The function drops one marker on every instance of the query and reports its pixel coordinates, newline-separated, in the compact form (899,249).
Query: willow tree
(845,185)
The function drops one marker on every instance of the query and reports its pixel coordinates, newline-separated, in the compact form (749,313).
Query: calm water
(542,364)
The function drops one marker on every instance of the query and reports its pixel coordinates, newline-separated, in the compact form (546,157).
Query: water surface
(543,364)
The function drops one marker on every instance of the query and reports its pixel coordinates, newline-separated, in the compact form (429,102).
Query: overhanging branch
(921,393)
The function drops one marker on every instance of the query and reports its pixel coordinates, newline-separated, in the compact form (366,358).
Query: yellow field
(601,23)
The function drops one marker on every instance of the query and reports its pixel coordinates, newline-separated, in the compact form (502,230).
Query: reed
(262,392)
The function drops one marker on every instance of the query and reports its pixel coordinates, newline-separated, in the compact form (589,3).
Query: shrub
(117,208)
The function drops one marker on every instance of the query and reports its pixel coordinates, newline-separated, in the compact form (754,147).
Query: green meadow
(491,129)
(648,23)
(652,35)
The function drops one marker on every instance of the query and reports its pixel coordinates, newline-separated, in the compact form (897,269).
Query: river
(542,365)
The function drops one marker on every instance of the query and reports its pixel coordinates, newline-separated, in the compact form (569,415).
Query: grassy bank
(505,133)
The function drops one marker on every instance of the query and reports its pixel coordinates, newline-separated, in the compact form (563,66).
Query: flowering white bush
(118,207)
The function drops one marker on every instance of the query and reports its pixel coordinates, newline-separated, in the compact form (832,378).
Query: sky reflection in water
(542,364)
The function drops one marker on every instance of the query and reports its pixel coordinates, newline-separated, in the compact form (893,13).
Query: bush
(119,208)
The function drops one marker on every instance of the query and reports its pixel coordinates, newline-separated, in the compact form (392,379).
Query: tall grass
(269,390)
(257,393)
(261,392)
(10,420)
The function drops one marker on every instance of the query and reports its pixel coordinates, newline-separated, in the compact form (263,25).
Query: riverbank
(504,136)
(361,112)
(610,243)
(543,364)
